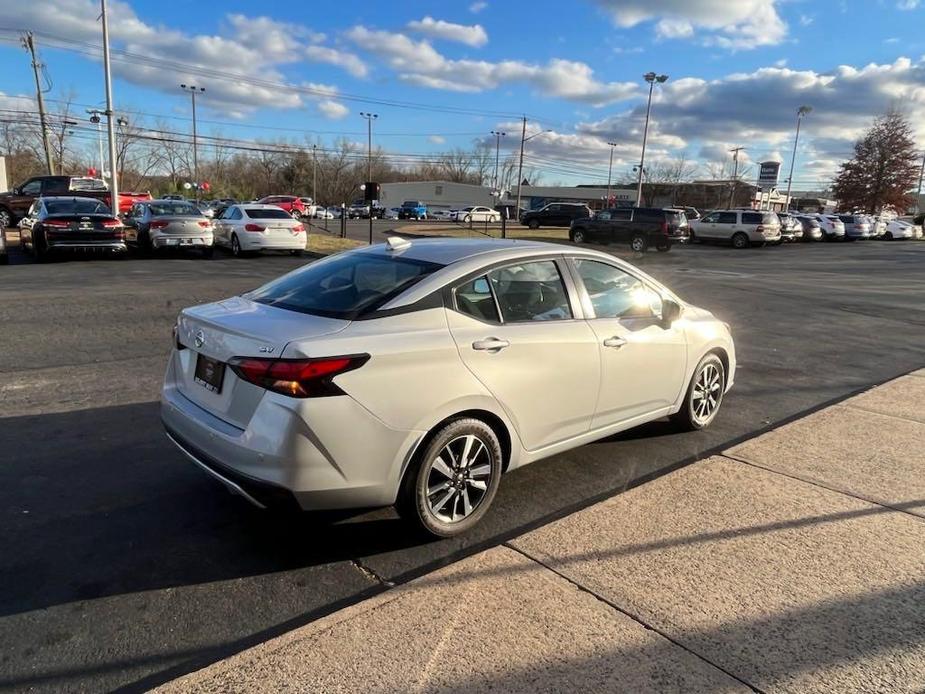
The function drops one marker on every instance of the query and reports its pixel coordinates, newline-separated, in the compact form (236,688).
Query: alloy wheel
(578,236)
(459,478)
(706,394)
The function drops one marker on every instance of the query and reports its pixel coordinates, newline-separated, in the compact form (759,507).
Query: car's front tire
(639,243)
(450,485)
(704,395)
(533,224)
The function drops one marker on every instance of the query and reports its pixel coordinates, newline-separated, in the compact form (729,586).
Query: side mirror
(671,311)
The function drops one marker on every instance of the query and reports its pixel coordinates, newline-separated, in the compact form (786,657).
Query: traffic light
(371,191)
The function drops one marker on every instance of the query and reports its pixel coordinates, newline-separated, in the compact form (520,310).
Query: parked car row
(73,223)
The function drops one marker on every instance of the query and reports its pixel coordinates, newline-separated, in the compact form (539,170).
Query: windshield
(174,209)
(344,286)
(275,213)
(93,184)
(76,206)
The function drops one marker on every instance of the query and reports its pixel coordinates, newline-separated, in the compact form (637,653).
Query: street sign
(768,173)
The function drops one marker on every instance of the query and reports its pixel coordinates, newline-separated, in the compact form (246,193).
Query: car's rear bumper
(111,246)
(259,242)
(326,453)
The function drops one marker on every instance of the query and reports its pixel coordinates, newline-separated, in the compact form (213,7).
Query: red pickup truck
(15,204)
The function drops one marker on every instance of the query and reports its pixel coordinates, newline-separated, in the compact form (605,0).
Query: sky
(444,75)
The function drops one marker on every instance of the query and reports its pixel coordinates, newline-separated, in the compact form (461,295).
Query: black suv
(555,214)
(640,227)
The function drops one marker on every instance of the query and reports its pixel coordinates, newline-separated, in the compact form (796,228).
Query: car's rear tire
(577,236)
(704,395)
(888,236)
(533,224)
(459,469)
(639,243)
(740,240)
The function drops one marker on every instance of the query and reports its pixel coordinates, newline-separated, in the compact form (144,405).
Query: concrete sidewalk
(793,562)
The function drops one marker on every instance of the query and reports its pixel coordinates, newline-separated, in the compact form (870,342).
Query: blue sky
(738,71)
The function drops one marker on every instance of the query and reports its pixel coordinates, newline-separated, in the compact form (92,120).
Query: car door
(22,201)
(517,332)
(598,226)
(643,360)
(620,224)
(706,226)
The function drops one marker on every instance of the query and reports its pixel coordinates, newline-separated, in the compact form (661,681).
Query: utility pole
(802,111)
(498,135)
(735,173)
(28,43)
(110,125)
(192,92)
(610,173)
(520,166)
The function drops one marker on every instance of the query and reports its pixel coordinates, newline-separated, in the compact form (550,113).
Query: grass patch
(324,244)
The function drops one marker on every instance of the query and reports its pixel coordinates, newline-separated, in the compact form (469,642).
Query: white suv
(743,228)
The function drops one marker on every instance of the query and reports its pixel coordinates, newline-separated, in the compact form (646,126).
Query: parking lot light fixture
(610,173)
(520,166)
(193,90)
(652,78)
(802,111)
(370,117)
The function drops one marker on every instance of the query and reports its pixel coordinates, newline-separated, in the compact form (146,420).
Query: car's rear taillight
(254,227)
(205,225)
(297,378)
(297,229)
(111,223)
(56,224)
(159,224)
(760,229)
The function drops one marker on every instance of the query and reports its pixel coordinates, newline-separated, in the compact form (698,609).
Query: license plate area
(209,373)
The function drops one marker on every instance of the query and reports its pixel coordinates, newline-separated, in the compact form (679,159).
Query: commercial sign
(768,173)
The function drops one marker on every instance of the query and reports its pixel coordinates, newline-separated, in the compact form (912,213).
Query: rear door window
(530,292)
(752,218)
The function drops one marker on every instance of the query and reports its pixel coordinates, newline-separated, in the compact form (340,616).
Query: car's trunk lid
(213,334)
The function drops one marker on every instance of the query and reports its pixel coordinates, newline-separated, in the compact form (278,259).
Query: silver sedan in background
(154,225)
(417,373)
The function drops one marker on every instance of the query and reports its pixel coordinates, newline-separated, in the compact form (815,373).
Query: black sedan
(71,224)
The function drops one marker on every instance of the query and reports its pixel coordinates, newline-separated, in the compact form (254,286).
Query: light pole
(802,111)
(918,200)
(110,126)
(651,78)
(735,174)
(498,135)
(193,90)
(315,175)
(520,166)
(609,174)
(370,117)
(95,114)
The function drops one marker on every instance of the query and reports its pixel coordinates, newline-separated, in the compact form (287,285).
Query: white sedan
(251,227)
(898,229)
(477,214)
(417,373)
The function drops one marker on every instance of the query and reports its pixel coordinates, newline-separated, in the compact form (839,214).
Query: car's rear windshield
(345,286)
(76,206)
(93,184)
(676,218)
(258,213)
(174,209)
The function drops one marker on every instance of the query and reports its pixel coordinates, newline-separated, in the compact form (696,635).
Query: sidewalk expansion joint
(850,404)
(641,622)
(822,485)
(370,574)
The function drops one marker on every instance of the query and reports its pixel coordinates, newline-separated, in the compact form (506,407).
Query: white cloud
(436,139)
(477,7)
(470,34)
(907,4)
(732,24)
(417,62)
(806,20)
(332,109)
(332,56)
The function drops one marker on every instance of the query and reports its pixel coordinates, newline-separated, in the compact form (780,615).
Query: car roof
(46,198)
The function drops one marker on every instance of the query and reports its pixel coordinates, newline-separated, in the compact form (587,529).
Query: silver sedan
(416,373)
(154,225)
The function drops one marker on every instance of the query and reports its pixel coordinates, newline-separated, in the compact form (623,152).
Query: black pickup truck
(640,227)
(15,203)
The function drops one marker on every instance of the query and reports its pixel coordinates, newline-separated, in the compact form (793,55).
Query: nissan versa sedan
(418,373)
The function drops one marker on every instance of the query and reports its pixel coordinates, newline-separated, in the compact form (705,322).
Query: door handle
(615,342)
(490,344)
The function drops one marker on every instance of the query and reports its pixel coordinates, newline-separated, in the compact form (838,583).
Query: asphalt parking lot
(125,566)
